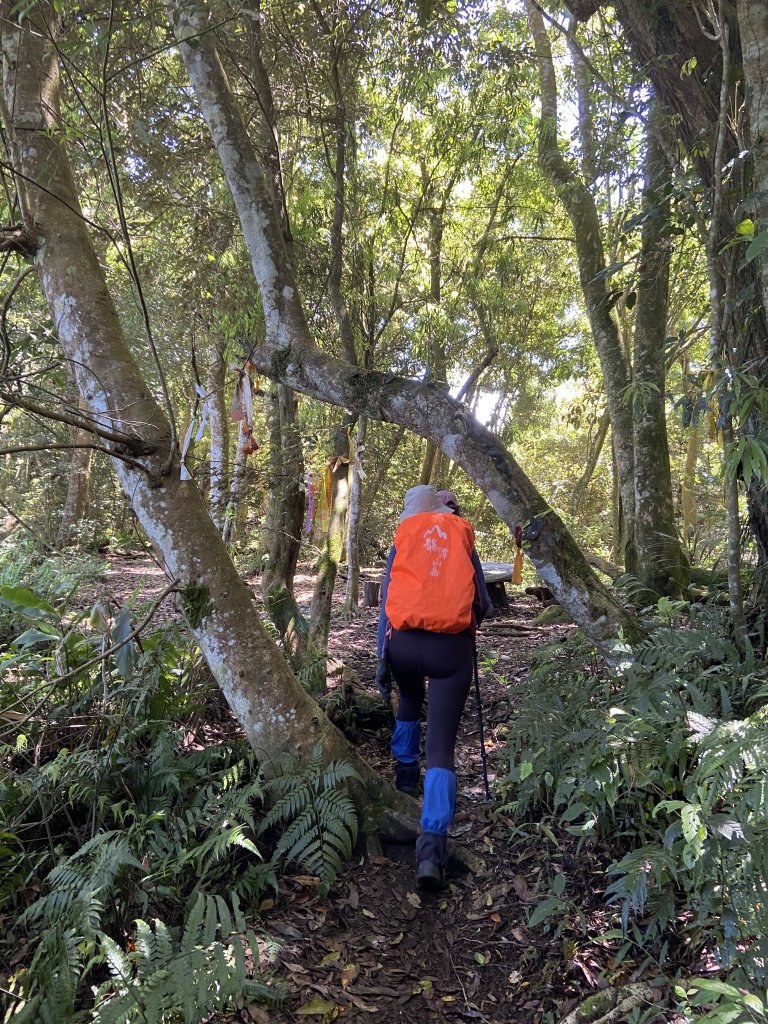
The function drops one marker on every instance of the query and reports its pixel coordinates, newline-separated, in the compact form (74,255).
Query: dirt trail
(377,950)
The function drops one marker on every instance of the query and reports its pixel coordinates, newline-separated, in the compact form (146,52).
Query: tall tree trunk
(663,36)
(437,371)
(688,505)
(352,598)
(333,543)
(753,23)
(274,711)
(286,495)
(595,450)
(661,562)
(236,494)
(78,486)
(218,418)
(580,206)
(290,355)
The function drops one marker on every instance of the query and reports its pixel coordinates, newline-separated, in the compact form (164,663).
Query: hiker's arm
(482,602)
(381,639)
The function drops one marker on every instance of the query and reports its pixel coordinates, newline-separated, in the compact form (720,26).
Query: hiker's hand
(383,679)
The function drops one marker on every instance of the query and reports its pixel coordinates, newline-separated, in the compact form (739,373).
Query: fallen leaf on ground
(320,1006)
(348,974)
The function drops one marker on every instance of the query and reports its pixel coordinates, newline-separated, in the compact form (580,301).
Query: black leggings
(446,659)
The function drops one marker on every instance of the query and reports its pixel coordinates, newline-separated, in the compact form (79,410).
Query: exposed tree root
(612,1006)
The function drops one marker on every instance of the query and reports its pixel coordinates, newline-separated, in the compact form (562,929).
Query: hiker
(433,598)
(450,500)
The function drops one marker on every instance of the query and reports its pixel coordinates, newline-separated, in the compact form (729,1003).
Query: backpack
(432,579)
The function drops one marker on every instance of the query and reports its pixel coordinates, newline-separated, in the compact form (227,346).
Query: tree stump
(371,592)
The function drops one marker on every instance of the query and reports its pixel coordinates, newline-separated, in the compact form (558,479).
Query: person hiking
(450,500)
(433,599)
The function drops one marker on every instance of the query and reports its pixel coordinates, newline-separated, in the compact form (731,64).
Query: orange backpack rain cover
(432,580)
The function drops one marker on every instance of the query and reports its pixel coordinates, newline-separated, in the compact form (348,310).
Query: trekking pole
(480,723)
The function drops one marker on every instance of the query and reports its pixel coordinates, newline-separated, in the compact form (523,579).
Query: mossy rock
(555,615)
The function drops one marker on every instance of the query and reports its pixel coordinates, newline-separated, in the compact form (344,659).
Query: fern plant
(667,760)
(318,819)
(210,966)
(119,820)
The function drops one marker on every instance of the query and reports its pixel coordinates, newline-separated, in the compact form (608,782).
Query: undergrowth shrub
(665,757)
(113,809)
(317,819)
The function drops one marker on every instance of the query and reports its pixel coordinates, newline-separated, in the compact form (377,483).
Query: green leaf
(558,884)
(756,246)
(19,599)
(124,656)
(720,988)
(544,910)
(317,1005)
(34,636)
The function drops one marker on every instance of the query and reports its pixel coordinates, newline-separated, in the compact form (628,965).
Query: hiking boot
(407,777)
(430,861)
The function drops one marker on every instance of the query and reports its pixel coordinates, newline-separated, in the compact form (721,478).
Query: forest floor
(375,948)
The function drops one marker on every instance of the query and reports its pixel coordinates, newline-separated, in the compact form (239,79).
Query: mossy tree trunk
(661,561)
(579,204)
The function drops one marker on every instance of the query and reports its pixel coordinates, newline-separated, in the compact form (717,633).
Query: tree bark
(663,36)
(753,24)
(352,598)
(218,418)
(235,493)
(287,502)
(582,211)
(661,561)
(276,714)
(333,544)
(289,355)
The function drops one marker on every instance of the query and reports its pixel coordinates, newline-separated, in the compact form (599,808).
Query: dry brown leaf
(348,974)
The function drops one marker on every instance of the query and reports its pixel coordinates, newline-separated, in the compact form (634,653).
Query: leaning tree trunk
(290,355)
(661,562)
(276,714)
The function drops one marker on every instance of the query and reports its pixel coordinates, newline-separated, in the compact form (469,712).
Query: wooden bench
(496,574)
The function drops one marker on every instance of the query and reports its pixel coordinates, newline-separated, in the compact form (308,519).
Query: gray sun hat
(422,498)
